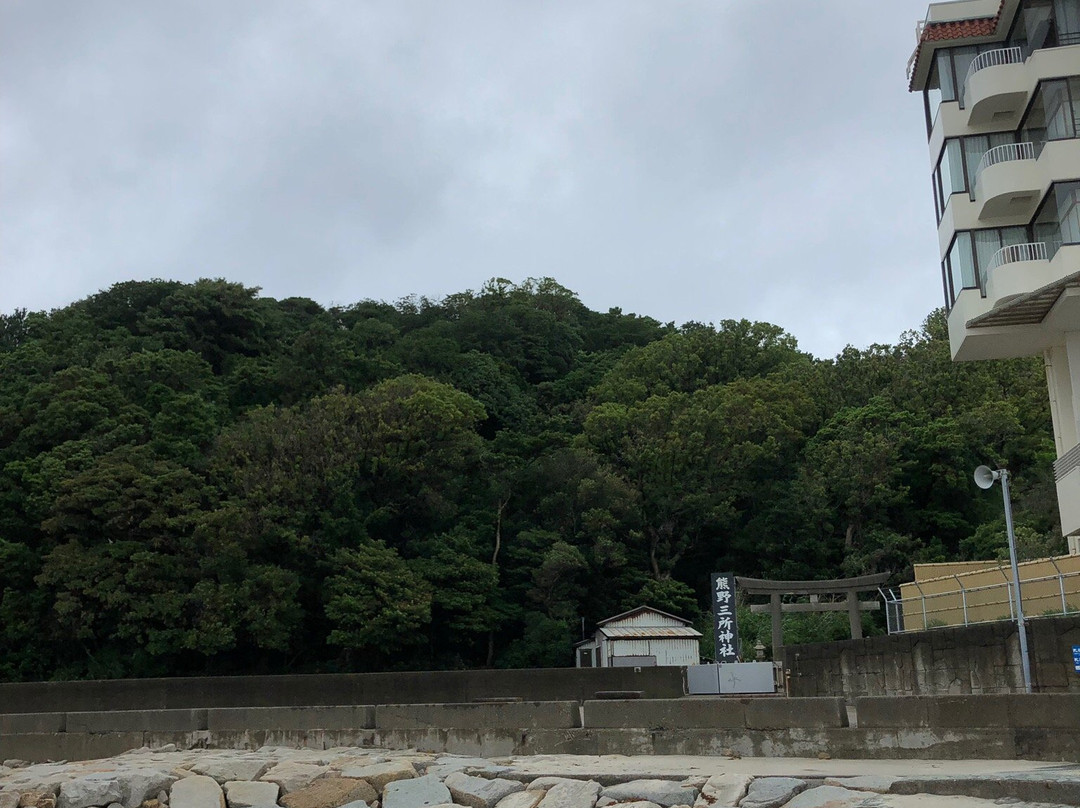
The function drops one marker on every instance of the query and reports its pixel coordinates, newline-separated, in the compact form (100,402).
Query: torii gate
(846,586)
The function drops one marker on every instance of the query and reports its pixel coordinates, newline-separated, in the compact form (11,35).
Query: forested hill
(196,479)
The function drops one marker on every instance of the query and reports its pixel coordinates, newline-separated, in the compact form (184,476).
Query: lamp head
(985,476)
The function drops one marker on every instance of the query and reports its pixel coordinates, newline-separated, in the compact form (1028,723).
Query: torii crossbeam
(837,586)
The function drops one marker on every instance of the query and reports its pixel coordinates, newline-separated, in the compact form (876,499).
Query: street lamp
(984,478)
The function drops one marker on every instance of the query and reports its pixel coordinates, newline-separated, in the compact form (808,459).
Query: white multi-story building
(1001,85)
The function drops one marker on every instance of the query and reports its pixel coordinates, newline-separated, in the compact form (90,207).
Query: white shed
(641,637)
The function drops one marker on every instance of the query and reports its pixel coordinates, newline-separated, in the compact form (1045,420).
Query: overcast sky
(682,159)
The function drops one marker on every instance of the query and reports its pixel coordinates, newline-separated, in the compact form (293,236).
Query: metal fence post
(963,597)
(1061,587)
(1009,590)
(922,598)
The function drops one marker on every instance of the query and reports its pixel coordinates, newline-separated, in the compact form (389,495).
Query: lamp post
(984,478)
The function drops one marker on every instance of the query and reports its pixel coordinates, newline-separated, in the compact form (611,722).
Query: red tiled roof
(956,29)
(959,29)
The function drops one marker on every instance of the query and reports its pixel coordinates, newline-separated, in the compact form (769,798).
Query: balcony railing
(1035,251)
(1004,154)
(993,58)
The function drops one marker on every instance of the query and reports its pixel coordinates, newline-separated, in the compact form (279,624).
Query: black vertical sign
(725,629)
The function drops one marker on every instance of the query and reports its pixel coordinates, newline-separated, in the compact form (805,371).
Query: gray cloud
(690,161)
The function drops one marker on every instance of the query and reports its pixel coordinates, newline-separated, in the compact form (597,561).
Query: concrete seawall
(1035,727)
(407,687)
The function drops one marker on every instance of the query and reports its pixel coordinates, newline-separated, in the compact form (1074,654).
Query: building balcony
(1000,83)
(1030,302)
(997,86)
(1006,186)
(1016,270)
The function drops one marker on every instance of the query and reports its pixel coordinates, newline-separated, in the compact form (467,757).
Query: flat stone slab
(330,792)
(522,799)
(867,782)
(379,774)
(293,776)
(827,797)
(571,794)
(480,792)
(664,793)
(234,768)
(246,794)
(723,790)
(771,792)
(415,792)
(197,791)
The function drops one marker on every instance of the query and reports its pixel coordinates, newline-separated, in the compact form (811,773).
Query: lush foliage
(196,479)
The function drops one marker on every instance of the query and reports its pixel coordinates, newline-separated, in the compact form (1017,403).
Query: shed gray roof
(643,609)
(649,632)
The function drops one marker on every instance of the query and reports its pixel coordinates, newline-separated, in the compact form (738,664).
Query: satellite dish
(985,476)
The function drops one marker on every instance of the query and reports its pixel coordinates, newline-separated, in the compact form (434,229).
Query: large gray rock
(663,792)
(246,794)
(138,785)
(771,792)
(415,792)
(293,776)
(479,792)
(571,794)
(9,799)
(97,789)
(723,790)
(197,791)
(826,797)
(234,768)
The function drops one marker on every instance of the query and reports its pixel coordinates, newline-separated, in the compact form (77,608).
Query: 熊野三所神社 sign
(725,627)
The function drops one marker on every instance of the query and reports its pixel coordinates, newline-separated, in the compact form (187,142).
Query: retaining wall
(1037,727)
(408,687)
(981,659)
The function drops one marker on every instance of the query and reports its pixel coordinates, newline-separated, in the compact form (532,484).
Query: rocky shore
(272,777)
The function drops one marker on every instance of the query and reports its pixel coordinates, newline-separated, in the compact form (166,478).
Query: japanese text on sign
(725,627)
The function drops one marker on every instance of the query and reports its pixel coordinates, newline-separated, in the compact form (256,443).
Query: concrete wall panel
(813,713)
(979,659)
(665,713)
(291,718)
(512,715)
(32,723)
(136,721)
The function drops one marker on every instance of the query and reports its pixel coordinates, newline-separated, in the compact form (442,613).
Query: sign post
(725,626)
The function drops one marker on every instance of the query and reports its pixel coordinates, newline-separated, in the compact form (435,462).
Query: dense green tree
(198,479)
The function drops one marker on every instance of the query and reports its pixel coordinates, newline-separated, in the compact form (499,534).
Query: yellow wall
(987,595)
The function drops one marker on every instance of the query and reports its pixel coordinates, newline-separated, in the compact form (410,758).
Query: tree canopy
(198,479)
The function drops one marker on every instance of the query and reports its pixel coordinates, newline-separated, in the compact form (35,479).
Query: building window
(1046,24)
(968,259)
(955,172)
(1054,111)
(946,79)
(1057,221)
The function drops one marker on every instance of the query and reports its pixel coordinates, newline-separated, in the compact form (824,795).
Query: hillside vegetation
(197,479)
